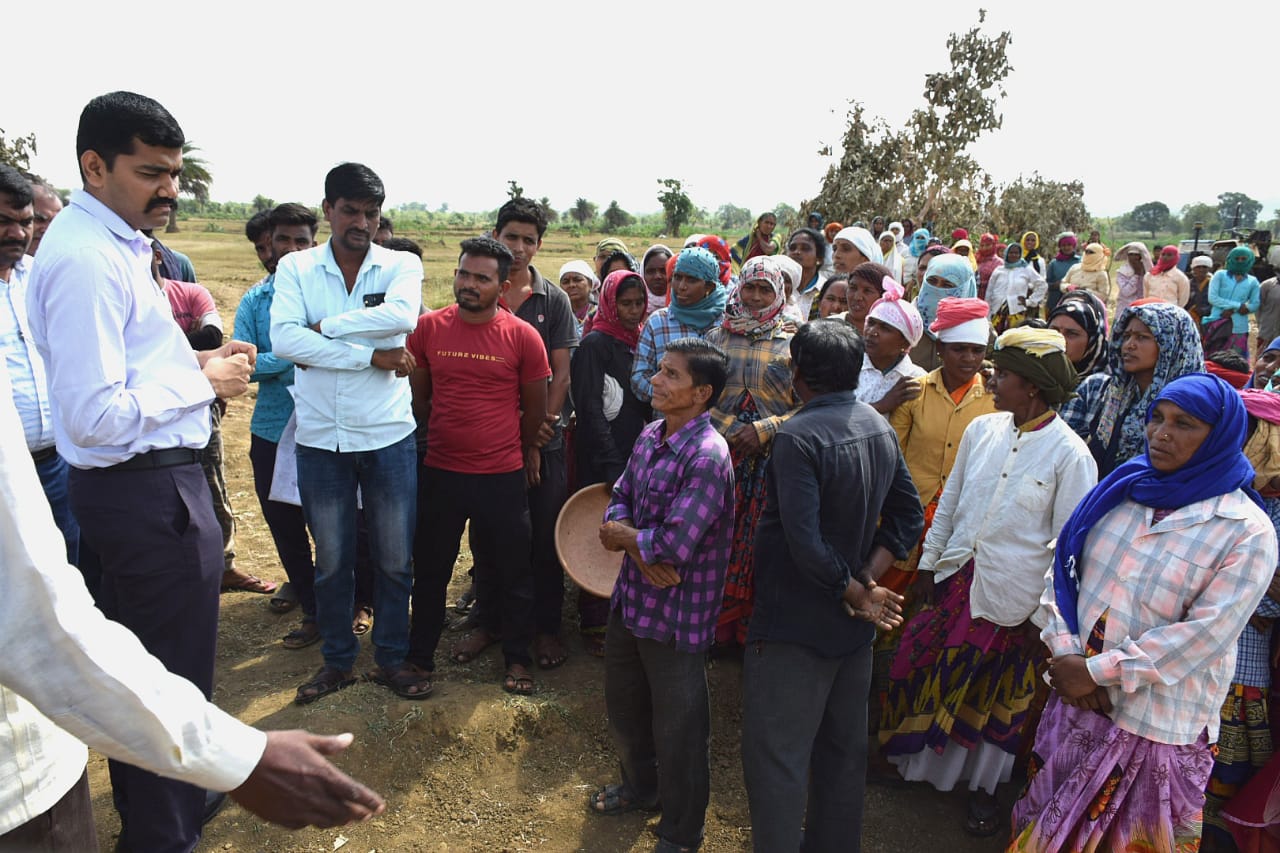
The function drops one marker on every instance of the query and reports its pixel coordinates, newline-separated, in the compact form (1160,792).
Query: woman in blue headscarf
(948,275)
(1155,575)
(918,243)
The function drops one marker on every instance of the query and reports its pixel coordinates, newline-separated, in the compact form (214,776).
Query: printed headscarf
(892,310)
(1168,260)
(919,242)
(1120,434)
(949,267)
(741,320)
(1263,447)
(1218,467)
(609,245)
(865,243)
(1040,357)
(1087,311)
(1239,260)
(718,247)
(607,321)
(1095,258)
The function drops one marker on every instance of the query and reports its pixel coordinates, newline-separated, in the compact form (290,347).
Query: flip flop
(249,583)
(518,681)
(328,679)
(284,600)
(469,647)
(550,651)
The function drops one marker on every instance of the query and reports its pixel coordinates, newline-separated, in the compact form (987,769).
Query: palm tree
(194,181)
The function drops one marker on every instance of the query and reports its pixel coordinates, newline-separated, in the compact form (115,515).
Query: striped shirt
(22,361)
(1177,594)
(678,492)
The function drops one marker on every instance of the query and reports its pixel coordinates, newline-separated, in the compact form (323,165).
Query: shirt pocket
(1034,494)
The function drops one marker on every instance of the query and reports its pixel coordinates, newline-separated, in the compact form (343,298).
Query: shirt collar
(93,206)
(686,433)
(537,283)
(934,378)
(372,258)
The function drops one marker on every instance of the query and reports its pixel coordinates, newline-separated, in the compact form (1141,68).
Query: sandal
(328,679)
(405,680)
(234,581)
(464,602)
(983,820)
(306,634)
(469,647)
(362,622)
(618,799)
(284,600)
(518,681)
(550,651)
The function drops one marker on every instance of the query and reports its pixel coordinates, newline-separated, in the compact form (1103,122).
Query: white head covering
(866,244)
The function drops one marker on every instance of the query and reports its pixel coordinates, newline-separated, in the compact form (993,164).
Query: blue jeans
(387,479)
(53,477)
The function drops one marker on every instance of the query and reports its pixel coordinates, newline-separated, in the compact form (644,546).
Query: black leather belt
(152,459)
(44,455)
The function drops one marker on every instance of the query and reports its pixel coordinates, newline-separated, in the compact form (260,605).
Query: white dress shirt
(90,677)
(343,403)
(1007,498)
(22,360)
(122,378)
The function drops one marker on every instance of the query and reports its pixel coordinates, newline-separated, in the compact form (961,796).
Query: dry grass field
(471,768)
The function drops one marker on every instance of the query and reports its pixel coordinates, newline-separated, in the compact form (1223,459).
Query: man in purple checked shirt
(672,515)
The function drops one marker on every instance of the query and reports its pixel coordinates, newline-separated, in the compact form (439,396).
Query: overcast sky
(447,102)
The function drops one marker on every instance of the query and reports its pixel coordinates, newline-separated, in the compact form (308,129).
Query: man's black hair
(15,185)
(827,355)
(708,364)
(257,225)
(522,210)
(354,182)
(487,247)
(403,244)
(1231,360)
(292,213)
(385,224)
(109,124)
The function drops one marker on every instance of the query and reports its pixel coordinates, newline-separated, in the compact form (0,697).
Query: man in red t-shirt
(481,387)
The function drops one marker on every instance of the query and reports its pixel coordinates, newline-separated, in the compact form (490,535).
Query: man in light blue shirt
(130,404)
(22,361)
(340,314)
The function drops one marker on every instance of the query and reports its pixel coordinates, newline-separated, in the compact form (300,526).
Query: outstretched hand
(295,785)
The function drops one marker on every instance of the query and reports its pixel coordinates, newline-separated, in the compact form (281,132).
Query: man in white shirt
(23,364)
(70,673)
(130,405)
(341,313)
(47,205)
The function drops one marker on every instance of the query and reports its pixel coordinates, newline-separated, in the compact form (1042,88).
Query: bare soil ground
(471,768)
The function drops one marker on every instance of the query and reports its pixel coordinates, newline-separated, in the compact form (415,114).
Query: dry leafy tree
(923,169)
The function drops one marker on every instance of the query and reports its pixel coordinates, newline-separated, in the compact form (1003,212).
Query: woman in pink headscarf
(892,328)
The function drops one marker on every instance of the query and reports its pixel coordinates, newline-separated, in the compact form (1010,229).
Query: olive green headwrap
(1040,357)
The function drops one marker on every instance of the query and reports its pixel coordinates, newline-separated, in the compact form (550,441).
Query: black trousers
(287,524)
(161,552)
(545,502)
(804,736)
(660,718)
(497,507)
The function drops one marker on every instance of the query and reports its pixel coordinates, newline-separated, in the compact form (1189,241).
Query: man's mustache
(161,202)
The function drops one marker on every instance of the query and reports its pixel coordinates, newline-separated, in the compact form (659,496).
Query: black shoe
(213,803)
